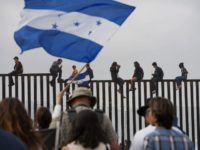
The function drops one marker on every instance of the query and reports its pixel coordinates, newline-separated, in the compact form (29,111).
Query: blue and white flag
(72,29)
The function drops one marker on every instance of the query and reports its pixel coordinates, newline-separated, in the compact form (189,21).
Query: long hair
(163,110)
(15,119)
(86,130)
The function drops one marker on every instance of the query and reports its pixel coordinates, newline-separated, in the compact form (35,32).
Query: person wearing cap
(81,99)
(183,76)
(138,139)
(156,76)
(56,70)
(18,69)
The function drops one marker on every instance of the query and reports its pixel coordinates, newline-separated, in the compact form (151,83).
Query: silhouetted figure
(137,75)
(114,70)
(183,76)
(18,69)
(56,70)
(157,76)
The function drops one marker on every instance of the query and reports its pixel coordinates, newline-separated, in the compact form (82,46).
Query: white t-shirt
(137,141)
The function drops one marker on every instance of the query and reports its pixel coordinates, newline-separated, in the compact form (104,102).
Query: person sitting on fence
(81,99)
(157,76)
(18,69)
(16,120)
(161,113)
(56,70)
(86,133)
(183,76)
(114,70)
(137,75)
(143,111)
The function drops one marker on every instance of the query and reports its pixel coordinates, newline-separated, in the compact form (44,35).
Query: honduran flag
(72,29)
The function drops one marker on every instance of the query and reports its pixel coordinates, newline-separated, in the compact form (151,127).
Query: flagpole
(67,86)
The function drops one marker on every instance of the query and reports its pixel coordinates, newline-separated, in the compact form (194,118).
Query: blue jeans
(179,79)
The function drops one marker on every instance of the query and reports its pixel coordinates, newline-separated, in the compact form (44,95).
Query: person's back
(158,75)
(86,133)
(10,142)
(165,139)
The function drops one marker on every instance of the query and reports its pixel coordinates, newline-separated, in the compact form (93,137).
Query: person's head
(154,64)
(87,65)
(161,112)
(181,65)
(43,118)
(82,96)
(143,111)
(114,64)
(16,58)
(59,61)
(136,64)
(86,130)
(16,120)
(74,67)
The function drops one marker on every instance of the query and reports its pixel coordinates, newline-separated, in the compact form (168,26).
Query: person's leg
(153,85)
(133,84)
(178,82)
(54,75)
(11,82)
(60,80)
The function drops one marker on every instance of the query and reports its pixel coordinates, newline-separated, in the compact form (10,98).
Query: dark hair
(59,60)
(136,64)
(86,130)
(181,65)
(43,117)
(114,64)
(163,110)
(15,119)
(16,57)
(154,64)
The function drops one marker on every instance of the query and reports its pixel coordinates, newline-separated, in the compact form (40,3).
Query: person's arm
(57,108)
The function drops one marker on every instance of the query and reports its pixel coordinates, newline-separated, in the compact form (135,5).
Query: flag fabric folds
(82,79)
(72,29)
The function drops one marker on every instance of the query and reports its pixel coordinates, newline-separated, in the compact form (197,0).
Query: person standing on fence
(114,70)
(56,70)
(161,115)
(18,69)
(157,76)
(183,76)
(137,75)
(81,99)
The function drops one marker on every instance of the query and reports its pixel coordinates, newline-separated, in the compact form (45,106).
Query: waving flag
(72,29)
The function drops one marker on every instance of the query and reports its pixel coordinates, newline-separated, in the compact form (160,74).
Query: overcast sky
(165,31)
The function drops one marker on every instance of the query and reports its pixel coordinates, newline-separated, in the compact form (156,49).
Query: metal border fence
(34,91)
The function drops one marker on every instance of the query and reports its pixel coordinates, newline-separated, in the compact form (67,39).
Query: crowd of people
(81,127)
(56,71)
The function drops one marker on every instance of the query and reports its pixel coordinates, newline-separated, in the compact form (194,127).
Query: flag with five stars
(72,29)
